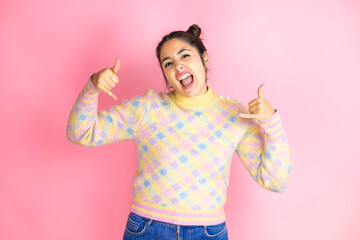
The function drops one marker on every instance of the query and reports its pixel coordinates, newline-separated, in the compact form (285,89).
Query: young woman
(185,140)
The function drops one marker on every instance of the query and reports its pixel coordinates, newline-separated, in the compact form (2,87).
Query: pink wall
(306,52)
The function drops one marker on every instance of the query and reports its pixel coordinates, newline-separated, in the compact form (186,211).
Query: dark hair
(191,36)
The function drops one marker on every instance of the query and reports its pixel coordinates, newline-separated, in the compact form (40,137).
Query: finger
(248,116)
(108,92)
(104,83)
(109,81)
(104,87)
(252,102)
(112,95)
(255,101)
(256,107)
(257,111)
(116,67)
(260,91)
(114,78)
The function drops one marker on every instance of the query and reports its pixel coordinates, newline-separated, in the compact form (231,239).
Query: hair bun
(195,30)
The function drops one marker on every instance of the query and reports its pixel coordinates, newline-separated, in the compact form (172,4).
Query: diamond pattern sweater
(184,149)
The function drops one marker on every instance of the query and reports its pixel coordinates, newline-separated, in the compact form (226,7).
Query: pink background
(306,52)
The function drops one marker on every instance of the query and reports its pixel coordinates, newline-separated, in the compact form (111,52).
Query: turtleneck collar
(197,102)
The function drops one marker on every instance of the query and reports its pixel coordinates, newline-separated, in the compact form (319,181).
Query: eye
(167,64)
(185,56)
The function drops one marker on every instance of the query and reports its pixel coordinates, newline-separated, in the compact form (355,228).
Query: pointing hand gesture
(106,79)
(259,108)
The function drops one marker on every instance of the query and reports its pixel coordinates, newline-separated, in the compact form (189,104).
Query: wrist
(91,77)
(91,84)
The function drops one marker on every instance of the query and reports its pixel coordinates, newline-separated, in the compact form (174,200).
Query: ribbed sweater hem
(273,128)
(89,95)
(177,216)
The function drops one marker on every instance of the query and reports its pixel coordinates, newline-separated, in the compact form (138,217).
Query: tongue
(186,81)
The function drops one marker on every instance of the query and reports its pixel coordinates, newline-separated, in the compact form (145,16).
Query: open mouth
(187,80)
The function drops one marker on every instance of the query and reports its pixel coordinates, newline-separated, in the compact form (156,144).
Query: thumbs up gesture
(106,79)
(259,108)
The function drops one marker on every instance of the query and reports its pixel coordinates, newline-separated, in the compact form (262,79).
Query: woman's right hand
(106,79)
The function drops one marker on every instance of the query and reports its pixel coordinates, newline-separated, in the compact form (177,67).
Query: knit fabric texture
(184,147)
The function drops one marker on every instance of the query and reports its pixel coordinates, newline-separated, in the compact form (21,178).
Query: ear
(206,59)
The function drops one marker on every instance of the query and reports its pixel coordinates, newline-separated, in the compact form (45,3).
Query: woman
(185,140)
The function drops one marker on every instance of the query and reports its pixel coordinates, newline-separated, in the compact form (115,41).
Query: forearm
(265,153)
(275,164)
(83,116)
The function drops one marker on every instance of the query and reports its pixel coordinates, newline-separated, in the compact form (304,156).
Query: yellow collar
(197,102)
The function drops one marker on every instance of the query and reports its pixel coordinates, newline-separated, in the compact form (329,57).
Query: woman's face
(183,68)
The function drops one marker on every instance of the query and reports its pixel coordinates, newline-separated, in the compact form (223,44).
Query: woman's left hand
(259,108)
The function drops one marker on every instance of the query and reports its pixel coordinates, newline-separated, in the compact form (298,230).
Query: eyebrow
(179,52)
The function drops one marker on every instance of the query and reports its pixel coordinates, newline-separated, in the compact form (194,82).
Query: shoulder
(140,100)
(228,99)
(148,95)
(232,103)
(152,97)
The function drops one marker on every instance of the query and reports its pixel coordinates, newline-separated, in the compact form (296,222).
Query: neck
(196,102)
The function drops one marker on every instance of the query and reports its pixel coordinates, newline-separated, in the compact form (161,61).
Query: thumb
(260,91)
(116,67)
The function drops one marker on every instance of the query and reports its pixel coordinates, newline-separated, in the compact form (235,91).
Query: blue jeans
(139,228)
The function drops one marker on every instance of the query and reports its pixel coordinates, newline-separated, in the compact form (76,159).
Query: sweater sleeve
(88,127)
(265,152)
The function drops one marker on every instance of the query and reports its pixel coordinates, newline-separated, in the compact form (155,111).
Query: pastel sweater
(184,148)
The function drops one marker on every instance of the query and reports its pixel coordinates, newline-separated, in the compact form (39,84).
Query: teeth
(184,76)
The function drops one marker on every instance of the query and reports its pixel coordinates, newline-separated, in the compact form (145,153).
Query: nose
(179,67)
